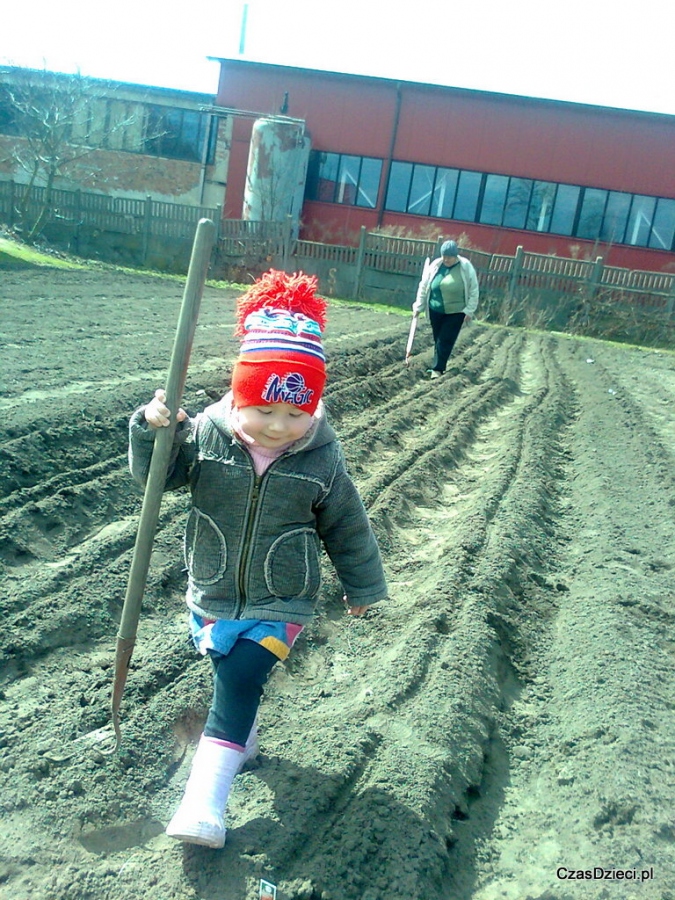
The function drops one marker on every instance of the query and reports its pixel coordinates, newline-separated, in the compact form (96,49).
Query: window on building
(502,200)
(421,190)
(494,199)
(591,214)
(640,220)
(517,202)
(540,210)
(369,182)
(338,178)
(616,217)
(398,188)
(347,183)
(322,176)
(566,201)
(445,191)
(118,131)
(663,225)
(175,133)
(430,191)
(468,191)
(34,111)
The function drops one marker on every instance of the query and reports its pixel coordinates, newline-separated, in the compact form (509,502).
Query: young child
(269,486)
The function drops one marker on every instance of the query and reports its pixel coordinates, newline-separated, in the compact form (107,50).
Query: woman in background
(449,291)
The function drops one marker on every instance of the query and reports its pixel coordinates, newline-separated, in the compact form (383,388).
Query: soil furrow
(428,665)
(506,715)
(580,712)
(401,402)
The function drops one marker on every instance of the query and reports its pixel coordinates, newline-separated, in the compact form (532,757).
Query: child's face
(274,425)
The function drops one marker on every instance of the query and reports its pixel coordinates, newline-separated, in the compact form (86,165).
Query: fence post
(147,225)
(287,235)
(360,257)
(516,269)
(595,277)
(77,216)
(670,302)
(217,223)
(12,201)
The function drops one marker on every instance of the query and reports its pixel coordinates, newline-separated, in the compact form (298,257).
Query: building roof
(520,98)
(109,84)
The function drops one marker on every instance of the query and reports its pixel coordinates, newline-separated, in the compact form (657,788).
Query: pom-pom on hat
(281,359)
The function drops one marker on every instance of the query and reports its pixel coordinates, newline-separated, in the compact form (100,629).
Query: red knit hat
(281,358)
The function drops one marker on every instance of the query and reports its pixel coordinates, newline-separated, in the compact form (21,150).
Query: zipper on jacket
(250,522)
(246,549)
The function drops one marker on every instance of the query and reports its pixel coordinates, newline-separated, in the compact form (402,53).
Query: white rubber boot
(200,818)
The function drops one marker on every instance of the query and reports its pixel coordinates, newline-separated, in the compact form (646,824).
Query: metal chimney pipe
(242,33)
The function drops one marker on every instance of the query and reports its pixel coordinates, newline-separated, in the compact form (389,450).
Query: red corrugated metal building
(555,177)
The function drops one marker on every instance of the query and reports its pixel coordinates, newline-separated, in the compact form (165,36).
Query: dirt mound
(502,728)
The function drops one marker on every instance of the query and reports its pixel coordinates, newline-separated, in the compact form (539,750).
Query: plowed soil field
(503,727)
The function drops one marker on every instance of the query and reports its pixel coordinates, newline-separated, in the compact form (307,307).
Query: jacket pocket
(205,549)
(292,567)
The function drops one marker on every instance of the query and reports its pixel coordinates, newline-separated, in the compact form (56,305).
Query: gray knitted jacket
(252,543)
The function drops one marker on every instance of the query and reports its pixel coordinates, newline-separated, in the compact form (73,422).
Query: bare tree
(53,120)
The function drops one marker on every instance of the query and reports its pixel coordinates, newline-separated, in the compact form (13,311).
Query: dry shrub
(618,317)
(426,231)
(523,312)
(609,316)
(322,233)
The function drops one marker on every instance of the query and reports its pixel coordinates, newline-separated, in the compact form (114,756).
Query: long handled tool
(411,338)
(154,489)
(413,324)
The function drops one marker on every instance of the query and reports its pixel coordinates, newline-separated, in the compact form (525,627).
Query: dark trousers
(238,682)
(445,328)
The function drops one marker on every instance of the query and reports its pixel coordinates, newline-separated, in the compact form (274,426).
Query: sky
(584,51)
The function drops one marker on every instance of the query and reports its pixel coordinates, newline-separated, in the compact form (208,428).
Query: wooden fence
(380,265)
(519,276)
(76,210)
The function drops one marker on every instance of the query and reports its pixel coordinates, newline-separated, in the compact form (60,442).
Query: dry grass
(608,316)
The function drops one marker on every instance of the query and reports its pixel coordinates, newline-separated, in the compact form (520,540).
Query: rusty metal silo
(277,170)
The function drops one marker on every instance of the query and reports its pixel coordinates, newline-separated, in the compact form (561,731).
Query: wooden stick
(413,324)
(411,337)
(154,489)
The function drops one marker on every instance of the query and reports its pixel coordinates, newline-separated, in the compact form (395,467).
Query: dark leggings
(445,328)
(238,682)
